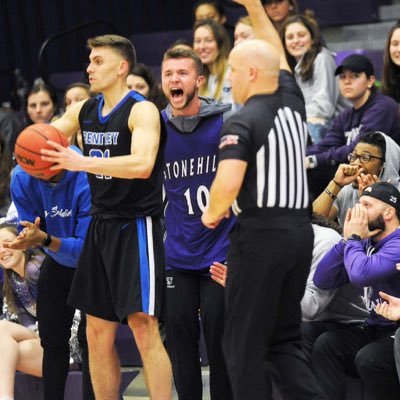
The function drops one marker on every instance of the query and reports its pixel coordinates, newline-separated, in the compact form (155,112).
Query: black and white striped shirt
(270,134)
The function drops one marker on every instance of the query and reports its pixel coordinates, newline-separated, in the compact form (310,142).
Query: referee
(261,157)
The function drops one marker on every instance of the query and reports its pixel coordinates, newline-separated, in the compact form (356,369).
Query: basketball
(28,145)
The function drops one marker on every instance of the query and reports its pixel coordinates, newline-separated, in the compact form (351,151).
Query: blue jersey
(190,163)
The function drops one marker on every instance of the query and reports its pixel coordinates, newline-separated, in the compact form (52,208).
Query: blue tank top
(190,163)
(110,136)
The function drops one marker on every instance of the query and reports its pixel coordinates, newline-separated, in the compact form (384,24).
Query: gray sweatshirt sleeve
(322,97)
(316,300)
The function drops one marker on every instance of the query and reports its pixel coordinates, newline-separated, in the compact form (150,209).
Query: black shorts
(121,269)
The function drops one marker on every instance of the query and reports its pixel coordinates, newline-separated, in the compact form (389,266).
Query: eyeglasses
(364,158)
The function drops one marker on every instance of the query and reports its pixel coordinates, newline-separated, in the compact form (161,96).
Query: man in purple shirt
(367,258)
(370,111)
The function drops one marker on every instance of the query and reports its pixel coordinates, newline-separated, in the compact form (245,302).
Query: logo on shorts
(170,280)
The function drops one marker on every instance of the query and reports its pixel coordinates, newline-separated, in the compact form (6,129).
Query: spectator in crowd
(370,111)
(41,103)
(390,309)
(74,93)
(211,43)
(10,127)
(19,342)
(243,30)
(322,310)
(314,69)
(54,214)
(144,82)
(209,9)
(375,157)
(366,258)
(182,43)
(5,175)
(279,10)
(391,64)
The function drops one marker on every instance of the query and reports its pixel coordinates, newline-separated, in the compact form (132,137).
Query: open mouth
(176,93)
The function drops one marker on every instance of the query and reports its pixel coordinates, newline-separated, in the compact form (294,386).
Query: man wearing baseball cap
(367,258)
(370,111)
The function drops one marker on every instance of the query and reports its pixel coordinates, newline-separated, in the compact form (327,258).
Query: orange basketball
(28,145)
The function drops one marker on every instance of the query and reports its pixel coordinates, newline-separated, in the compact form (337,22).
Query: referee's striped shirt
(270,134)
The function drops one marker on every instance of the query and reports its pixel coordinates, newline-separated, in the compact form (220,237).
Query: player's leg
(157,367)
(55,321)
(11,334)
(212,319)
(104,364)
(183,333)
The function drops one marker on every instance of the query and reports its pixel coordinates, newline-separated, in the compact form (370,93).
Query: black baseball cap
(385,192)
(356,63)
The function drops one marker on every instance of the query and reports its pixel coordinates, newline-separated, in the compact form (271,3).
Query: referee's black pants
(269,261)
(55,321)
(187,293)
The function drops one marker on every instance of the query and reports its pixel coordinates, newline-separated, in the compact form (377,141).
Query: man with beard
(376,157)
(193,126)
(367,258)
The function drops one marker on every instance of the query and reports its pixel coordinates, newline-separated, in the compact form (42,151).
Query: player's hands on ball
(63,157)
(30,236)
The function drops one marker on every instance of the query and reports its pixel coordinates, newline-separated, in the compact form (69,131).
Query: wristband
(330,194)
(337,184)
(47,241)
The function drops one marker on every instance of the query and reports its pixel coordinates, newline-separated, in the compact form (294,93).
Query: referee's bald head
(254,69)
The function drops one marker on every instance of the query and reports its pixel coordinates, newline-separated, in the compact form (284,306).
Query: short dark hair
(120,44)
(178,53)
(218,7)
(375,138)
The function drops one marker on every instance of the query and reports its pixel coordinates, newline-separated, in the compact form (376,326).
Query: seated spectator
(10,127)
(366,258)
(279,10)
(243,30)
(390,309)
(181,43)
(322,310)
(314,69)
(370,111)
(5,176)
(41,103)
(375,157)
(209,9)
(211,43)
(19,342)
(391,64)
(74,93)
(144,82)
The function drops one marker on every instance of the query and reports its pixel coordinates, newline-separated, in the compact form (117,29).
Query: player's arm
(144,121)
(264,29)
(224,190)
(68,123)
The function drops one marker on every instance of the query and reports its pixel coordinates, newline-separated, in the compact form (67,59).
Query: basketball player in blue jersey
(120,275)
(193,126)
(261,166)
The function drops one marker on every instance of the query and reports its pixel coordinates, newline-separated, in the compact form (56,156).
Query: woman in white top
(211,43)
(314,68)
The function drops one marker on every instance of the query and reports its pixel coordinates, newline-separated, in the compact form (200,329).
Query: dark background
(152,24)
